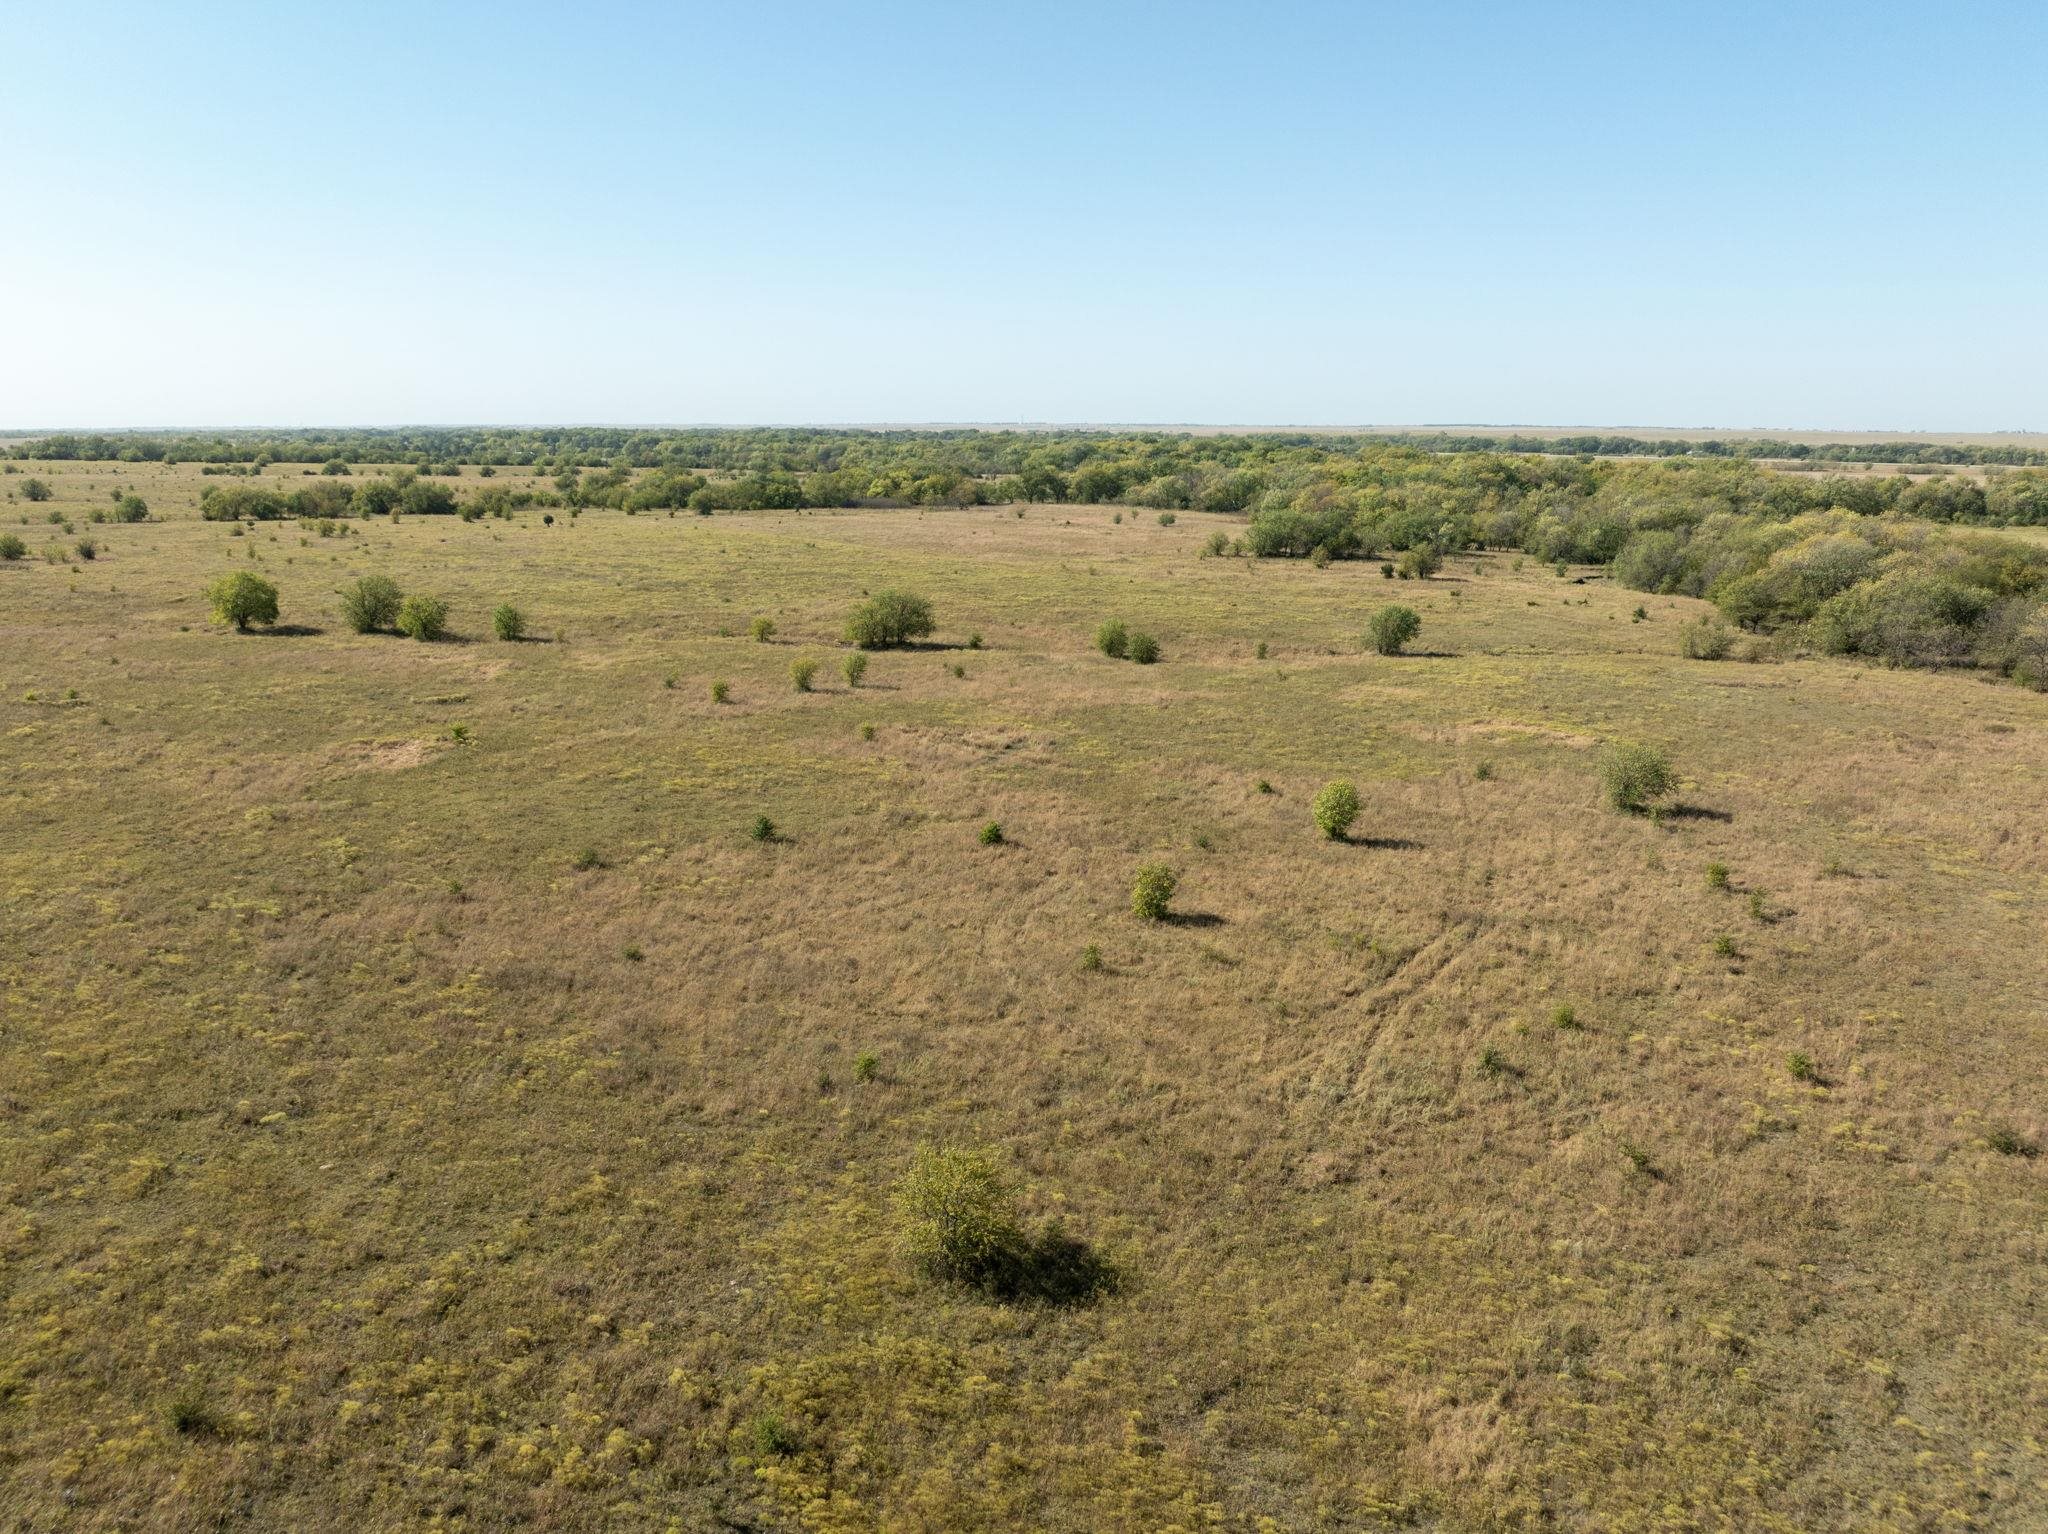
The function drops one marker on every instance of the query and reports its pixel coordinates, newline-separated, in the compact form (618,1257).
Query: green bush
(35,490)
(801,673)
(1144,649)
(1707,638)
(958,1213)
(423,617)
(87,549)
(721,692)
(1717,876)
(1152,891)
(1335,808)
(1113,639)
(763,630)
(762,830)
(1633,775)
(1391,628)
(243,598)
(11,547)
(507,622)
(889,618)
(370,603)
(855,666)
(131,508)
(1420,562)
(992,835)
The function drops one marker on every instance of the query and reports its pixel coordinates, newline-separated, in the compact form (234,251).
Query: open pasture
(423,1103)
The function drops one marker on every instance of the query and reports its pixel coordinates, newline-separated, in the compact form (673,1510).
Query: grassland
(369,1163)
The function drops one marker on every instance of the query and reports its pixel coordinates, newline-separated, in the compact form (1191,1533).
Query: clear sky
(1823,215)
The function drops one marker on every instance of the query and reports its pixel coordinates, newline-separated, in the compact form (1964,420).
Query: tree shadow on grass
(1048,1268)
(289,631)
(1384,843)
(1694,812)
(1191,919)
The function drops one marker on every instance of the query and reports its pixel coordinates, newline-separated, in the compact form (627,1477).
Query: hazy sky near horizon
(1820,215)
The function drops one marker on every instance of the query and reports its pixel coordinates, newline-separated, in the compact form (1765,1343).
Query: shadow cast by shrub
(289,631)
(1385,843)
(1191,919)
(1691,812)
(1046,1268)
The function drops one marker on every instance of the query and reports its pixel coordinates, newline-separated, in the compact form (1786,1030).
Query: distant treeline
(974,453)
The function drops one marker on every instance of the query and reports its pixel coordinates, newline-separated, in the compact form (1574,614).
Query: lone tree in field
(1391,628)
(1152,892)
(959,1219)
(889,618)
(1335,808)
(243,598)
(1633,775)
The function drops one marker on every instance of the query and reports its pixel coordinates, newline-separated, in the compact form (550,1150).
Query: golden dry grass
(357,1176)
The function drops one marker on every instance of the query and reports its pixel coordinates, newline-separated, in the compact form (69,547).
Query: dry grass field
(400,1130)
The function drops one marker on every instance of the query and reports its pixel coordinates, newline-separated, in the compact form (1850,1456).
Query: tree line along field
(427,1102)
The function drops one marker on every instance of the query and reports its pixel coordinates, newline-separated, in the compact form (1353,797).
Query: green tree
(1633,775)
(243,598)
(889,618)
(1335,808)
(370,603)
(423,617)
(507,622)
(958,1212)
(1391,628)
(1152,891)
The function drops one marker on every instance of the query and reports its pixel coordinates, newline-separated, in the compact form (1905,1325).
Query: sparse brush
(991,835)
(854,668)
(1144,649)
(762,829)
(1717,876)
(424,618)
(1634,775)
(1564,1016)
(1091,957)
(507,622)
(721,692)
(1113,639)
(589,858)
(1800,1064)
(867,1065)
(801,674)
(763,630)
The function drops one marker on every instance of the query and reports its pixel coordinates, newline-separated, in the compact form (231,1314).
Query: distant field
(402,1130)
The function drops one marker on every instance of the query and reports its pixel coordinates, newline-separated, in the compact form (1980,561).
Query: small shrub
(959,672)
(1717,876)
(958,1213)
(721,692)
(1152,892)
(773,1438)
(1218,544)
(1420,562)
(241,599)
(854,667)
(762,830)
(1144,649)
(991,835)
(801,674)
(1260,652)
(1262,787)
(889,618)
(1800,1064)
(1483,772)
(423,618)
(1386,570)
(1724,946)
(1759,910)
(669,681)
(1113,639)
(588,859)
(2008,1141)
(1564,1016)
(867,1065)
(633,953)
(867,732)
(11,547)
(87,549)
(974,640)
(1166,519)
(507,622)
(1492,1062)
(189,1412)
(763,630)
(1335,808)
(1707,638)
(1391,628)
(1639,615)
(1091,957)
(1633,775)
(35,490)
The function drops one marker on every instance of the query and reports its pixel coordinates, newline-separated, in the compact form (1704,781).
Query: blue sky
(1817,215)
